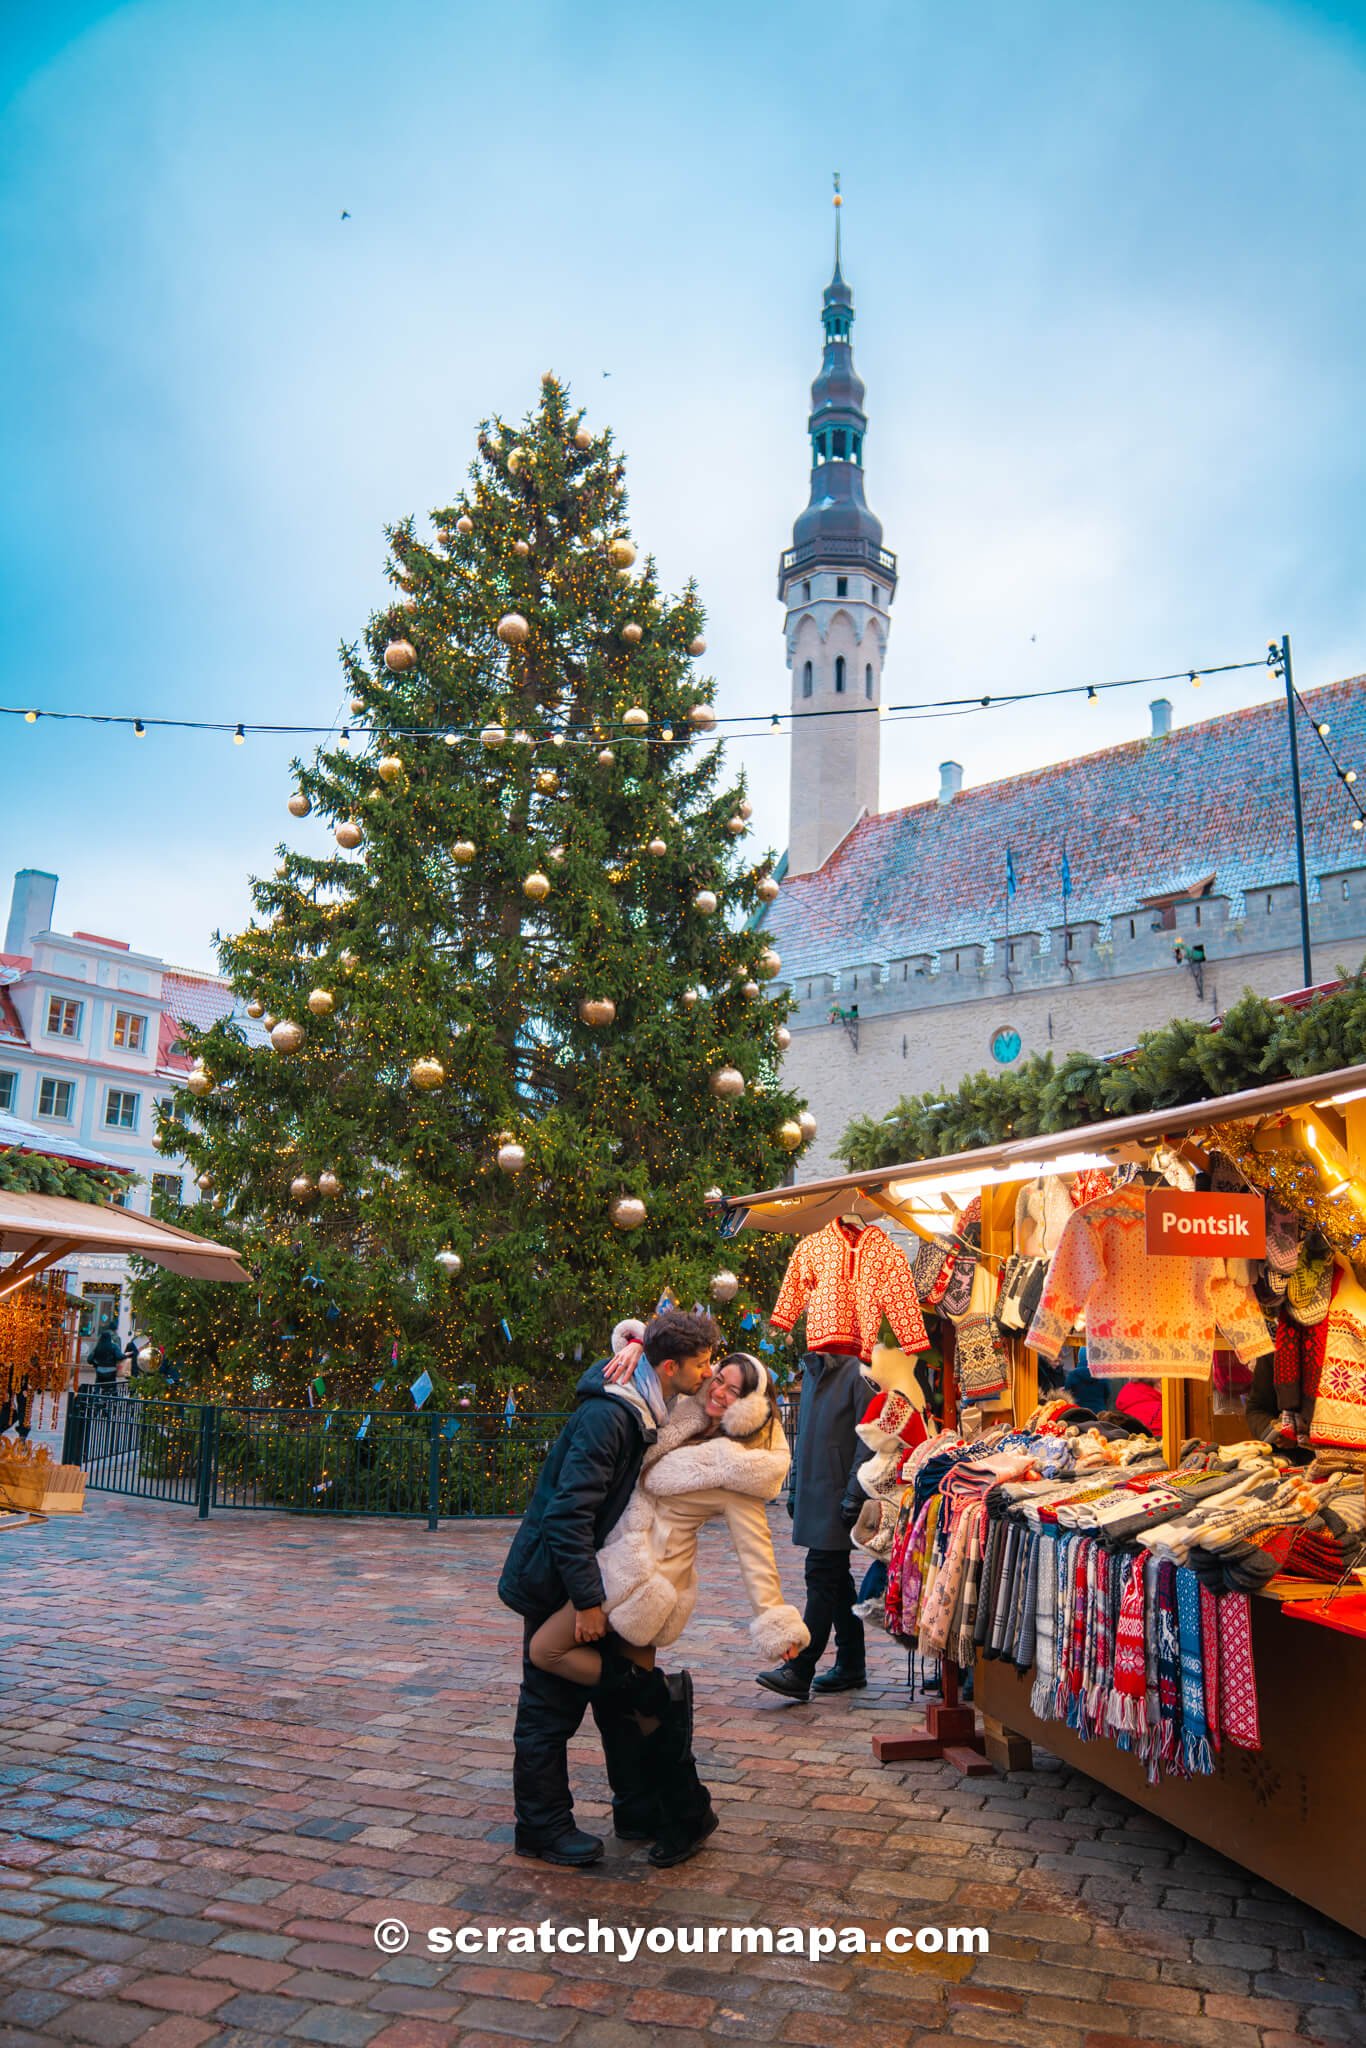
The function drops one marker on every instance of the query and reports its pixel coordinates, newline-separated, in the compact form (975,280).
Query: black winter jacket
(583,1489)
(824,1491)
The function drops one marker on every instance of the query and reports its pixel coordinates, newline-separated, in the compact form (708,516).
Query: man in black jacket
(580,1495)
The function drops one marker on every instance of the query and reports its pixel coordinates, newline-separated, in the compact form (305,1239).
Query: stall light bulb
(139,729)
(239,738)
(30,718)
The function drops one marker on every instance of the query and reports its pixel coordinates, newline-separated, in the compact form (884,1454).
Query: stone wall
(927,1021)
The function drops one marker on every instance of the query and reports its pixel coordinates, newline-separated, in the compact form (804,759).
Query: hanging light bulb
(1092,694)
(139,729)
(1324,730)
(1195,680)
(30,718)
(239,738)
(344,738)
(1349,775)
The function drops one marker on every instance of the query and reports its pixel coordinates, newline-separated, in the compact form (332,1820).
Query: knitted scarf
(1005,1591)
(991,1561)
(1067,1598)
(941,1598)
(1026,1633)
(1209,1657)
(966,1617)
(1195,1748)
(1045,1629)
(1300,1354)
(1077,1656)
(1152,1716)
(1127,1716)
(1237,1680)
(1168,1665)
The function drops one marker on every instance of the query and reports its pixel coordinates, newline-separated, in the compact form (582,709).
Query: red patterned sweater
(845,1281)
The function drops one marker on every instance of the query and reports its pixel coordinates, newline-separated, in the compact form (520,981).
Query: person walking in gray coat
(824,1502)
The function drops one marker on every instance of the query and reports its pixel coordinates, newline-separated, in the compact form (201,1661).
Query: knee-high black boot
(686,1813)
(635,1809)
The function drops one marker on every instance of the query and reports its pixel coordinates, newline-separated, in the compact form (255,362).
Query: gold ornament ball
(727,1083)
(302,1189)
(199,1083)
(464,524)
(724,1285)
(735,826)
(536,886)
(426,1073)
(621,554)
(658,847)
(632,633)
(782,1038)
(512,1158)
(357,706)
(205,1182)
(493,736)
(463,852)
(409,603)
(299,806)
(790,1134)
(400,656)
(598,1010)
(450,1262)
(745,808)
(706,901)
(702,718)
(268,1022)
(768,963)
(349,963)
(512,629)
(606,758)
(697,646)
(522,548)
(635,720)
(769,890)
(582,438)
(255,1008)
(287,1037)
(547,781)
(807,1125)
(627,1212)
(348,833)
(750,989)
(516,461)
(321,1002)
(328,1184)
(691,997)
(390,768)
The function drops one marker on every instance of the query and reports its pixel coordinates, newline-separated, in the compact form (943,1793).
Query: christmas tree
(520,1023)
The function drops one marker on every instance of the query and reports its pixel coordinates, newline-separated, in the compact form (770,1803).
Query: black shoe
(627,1831)
(840,1680)
(573,1848)
(669,1851)
(786,1682)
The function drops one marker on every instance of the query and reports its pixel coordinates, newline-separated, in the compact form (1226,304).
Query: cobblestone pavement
(229,1748)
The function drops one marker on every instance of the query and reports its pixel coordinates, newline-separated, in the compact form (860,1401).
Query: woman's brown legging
(554,1649)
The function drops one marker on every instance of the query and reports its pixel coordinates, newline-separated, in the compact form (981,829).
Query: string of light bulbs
(1346,775)
(763,723)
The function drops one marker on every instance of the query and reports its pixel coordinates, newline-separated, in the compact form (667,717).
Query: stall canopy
(804,1208)
(36,1231)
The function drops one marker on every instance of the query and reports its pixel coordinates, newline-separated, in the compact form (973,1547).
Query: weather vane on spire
(837,203)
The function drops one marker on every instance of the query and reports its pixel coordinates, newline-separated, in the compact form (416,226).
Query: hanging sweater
(845,1281)
(1338,1418)
(1146,1318)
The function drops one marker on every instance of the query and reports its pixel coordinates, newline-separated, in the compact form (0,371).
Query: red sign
(1206,1226)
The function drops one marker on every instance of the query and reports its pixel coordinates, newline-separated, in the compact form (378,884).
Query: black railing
(304,1461)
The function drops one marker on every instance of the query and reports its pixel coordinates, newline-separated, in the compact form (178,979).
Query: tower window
(839,445)
(806,593)
(839,671)
(868,682)
(806,679)
(841,586)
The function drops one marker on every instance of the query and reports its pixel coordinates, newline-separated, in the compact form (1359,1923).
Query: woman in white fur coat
(721,1455)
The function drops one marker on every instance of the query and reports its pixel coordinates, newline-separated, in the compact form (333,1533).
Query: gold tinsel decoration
(1294,1181)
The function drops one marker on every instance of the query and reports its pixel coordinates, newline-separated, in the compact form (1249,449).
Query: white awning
(37,1231)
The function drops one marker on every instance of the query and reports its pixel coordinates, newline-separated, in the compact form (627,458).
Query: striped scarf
(1195,1748)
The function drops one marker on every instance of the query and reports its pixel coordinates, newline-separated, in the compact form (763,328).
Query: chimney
(31,908)
(1161,708)
(950,780)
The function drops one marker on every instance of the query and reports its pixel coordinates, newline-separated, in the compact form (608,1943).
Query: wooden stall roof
(39,1230)
(805,1206)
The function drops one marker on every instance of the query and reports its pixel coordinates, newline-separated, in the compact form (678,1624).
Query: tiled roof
(198,1000)
(1150,817)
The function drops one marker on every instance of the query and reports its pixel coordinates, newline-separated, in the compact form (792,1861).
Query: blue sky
(1107,264)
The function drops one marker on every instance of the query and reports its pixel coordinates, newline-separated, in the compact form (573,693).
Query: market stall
(1141,1520)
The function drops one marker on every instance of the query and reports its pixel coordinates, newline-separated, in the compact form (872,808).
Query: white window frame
(136,1018)
(57,1116)
(7,1104)
(63,1004)
(112,1123)
(170,1186)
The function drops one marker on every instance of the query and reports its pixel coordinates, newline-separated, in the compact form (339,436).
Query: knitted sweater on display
(845,1282)
(1338,1416)
(1148,1318)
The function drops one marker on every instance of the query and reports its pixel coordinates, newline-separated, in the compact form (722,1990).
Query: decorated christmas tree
(519,1022)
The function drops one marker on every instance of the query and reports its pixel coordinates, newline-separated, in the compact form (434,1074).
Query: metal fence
(437,1467)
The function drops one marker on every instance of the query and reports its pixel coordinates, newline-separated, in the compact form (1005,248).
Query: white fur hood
(677,1463)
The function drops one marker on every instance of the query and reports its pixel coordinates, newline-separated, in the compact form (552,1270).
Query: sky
(1110,300)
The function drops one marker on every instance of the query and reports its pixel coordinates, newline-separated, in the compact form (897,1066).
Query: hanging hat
(1310,1287)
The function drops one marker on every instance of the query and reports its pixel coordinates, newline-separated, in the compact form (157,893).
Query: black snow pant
(829,1605)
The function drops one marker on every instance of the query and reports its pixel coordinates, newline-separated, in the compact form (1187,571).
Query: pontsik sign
(1196,1226)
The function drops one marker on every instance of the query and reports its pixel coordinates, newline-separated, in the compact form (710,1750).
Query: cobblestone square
(229,1748)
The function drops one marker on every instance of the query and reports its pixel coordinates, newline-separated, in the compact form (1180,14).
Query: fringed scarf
(1027,1627)
(1209,1657)
(1195,1749)
(1127,1714)
(1168,1666)
(1237,1681)
(991,1560)
(940,1603)
(965,1618)
(1045,1628)
(1005,1591)
(1077,1652)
